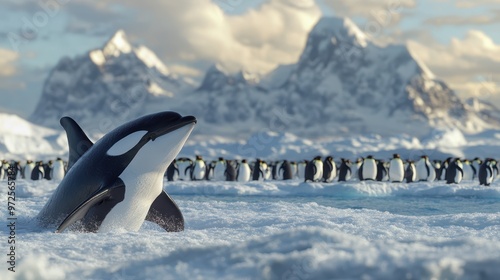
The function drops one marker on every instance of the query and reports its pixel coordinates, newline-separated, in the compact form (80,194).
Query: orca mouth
(172,126)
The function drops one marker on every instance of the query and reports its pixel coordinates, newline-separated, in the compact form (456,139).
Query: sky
(458,40)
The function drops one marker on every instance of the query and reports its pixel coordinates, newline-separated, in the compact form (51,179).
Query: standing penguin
(355,167)
(58,171)
(454,172)
(285,170)
(476,163)
(38,172)
(444,169)
(396,169)
(28,169)
(47,170)
(244,172)
(219,169)
(301,169)
(314,170)
(4,170)
(258,172)
(368,170)
(486,173)
(198,169)
(329,170)
(469,170)
(437,168)
(230,171)
(172,171)
(345,172)
(410,172)
(425,170)
(381,171)
(184,165)
(295,169)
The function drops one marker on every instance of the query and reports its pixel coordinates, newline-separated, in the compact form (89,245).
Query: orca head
(154,140)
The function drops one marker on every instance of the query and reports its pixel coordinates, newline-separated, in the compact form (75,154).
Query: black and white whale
(117,183)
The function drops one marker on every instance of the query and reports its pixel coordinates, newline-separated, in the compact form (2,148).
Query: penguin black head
(370,157)
(396,156)
(244,161)
(198,157)
(317,158)
(221,159)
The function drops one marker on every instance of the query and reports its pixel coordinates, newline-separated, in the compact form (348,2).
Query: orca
(117,183)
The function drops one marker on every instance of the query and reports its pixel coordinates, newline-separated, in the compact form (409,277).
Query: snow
(337,26)
(279,230)
(151,60)
(117,45)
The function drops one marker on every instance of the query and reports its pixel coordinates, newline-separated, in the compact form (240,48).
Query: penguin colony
(33,170)
(451,170)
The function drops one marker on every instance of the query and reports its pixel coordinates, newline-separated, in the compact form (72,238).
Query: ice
(280,230)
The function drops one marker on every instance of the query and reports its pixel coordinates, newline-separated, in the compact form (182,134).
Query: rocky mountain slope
(342,84)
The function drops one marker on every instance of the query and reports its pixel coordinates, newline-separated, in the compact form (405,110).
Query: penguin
(454,172)
(437,168)
(301,169)
(47,170)
(184,165)
(266,170)
(172,172)
(410,172)
(345,171)
(295,170)
(368,170)
(38,172)
(219,168)
(198,169)
(18,170)
(329,170)
(469,170)
(314,170)
(476,163)
(381,171)
(244,172)
(58,171)
(355,169)
(285,170)
(486,174)
(4,170)
(425,170)
(230,171)
(28,169)
(444,168)
(258,171)
(396,169)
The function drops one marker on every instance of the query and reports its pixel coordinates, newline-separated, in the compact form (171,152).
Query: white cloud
(469,65)
(8,59)
(258,40)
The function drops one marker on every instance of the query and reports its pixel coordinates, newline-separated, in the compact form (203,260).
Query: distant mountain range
(342,84)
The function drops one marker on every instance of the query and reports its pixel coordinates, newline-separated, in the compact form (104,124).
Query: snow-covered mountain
(342,84)
(108,86)
(20,140)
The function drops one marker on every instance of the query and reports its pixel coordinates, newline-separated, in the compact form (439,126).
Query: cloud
(464,20)
(469,65)
(465,4)
(8,59)
(385,12)
(258,40)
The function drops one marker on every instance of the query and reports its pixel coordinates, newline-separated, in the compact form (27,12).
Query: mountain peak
(339,29)
(117,45)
